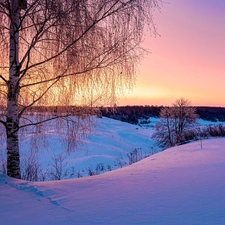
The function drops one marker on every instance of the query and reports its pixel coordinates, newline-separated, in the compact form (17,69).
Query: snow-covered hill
(181,185)
(110,146)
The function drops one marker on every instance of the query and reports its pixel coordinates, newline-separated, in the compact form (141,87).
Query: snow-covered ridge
(112,145)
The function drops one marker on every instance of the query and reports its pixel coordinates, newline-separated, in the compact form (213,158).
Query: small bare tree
(174,122)
(58,166)
(65,53)
(30,167)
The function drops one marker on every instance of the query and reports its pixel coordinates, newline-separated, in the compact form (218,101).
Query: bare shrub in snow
(58,171)
(175,122)
(30,167)
(135,155)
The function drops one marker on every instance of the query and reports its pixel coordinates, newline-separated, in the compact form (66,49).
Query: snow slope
(182,185)
(107,148)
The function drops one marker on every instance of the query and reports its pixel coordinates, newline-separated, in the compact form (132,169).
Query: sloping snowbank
(182,185)
(107,148)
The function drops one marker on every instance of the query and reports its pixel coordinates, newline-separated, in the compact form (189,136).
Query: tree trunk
(12,117)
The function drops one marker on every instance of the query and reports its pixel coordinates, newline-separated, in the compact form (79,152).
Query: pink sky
(187,60)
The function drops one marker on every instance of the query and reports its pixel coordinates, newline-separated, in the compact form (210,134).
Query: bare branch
(3,79)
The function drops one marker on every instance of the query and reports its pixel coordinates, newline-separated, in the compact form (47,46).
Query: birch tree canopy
(66,53)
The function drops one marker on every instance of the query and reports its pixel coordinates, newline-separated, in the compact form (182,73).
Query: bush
(175,124)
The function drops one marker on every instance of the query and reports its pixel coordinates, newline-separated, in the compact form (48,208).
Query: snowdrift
(181,185)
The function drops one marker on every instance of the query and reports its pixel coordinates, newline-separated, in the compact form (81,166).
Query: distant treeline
(211,113)
(133,114)
(130,114)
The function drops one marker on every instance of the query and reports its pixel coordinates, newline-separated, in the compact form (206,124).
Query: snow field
(181,185)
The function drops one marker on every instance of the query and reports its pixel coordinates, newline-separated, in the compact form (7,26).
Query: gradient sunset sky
(187,59)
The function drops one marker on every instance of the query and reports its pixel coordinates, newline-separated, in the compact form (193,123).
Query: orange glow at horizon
(187,60)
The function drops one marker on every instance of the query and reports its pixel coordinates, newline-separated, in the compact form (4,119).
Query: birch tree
(64,53)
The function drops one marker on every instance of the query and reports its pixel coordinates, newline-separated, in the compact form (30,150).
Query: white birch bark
(12,119)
